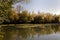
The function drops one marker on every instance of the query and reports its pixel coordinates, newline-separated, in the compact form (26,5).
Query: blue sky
(52,6)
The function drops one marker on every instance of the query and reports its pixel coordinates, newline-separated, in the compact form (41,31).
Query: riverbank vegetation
(8,15)
(27,17)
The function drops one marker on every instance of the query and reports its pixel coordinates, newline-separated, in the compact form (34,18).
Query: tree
(5,9)
(57,18)
(24,16)
(14,17)
(49,17)
(42,17)
(39,18)
(33,16)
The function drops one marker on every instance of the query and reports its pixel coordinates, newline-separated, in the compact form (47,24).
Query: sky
(51,6)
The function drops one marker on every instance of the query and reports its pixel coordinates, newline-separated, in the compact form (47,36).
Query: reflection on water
(31,33)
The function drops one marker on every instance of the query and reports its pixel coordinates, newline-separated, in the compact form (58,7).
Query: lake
(30,32)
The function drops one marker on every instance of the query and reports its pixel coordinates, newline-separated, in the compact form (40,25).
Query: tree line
(26,17)
(9,15)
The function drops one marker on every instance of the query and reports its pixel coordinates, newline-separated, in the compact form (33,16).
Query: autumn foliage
(9,15)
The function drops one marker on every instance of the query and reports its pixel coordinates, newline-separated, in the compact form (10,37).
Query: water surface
(44,32)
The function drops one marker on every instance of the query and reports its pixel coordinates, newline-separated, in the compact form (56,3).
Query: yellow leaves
(14,15)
